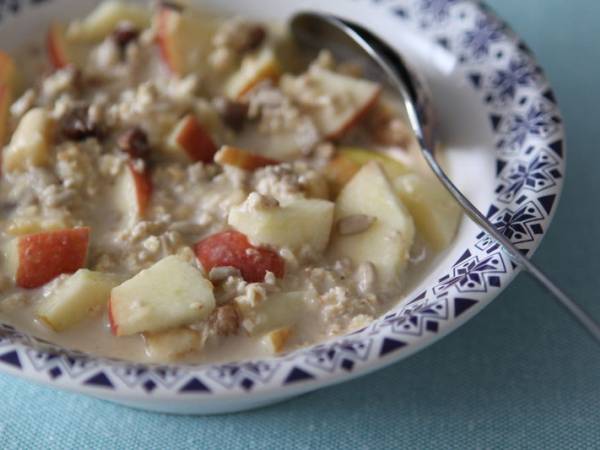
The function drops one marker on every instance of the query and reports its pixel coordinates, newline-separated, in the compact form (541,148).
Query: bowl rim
(476,41)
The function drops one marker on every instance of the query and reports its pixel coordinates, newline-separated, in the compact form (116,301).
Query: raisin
(232,113)
(77,125)
(124,34)
(135,143)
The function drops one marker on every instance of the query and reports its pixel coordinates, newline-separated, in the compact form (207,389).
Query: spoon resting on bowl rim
(353,41)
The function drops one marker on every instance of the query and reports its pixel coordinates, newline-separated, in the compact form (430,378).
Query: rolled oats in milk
(174,187)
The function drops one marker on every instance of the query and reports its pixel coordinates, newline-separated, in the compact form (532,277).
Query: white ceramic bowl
(505,143)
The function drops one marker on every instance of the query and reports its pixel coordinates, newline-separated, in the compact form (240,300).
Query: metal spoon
(352,41)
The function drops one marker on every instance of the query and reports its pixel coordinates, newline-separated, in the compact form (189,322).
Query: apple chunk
(172,344)
(132,191)
(232,249)
(351,99)
(190,141)
(436,213)
(275,341)
(105,18)
(349,160)
(59,51)
(30,143)
(36,259)
(386,237)
(303,222)
(80,296)
(184,39)
(169,294)
(255,68)
(242,159)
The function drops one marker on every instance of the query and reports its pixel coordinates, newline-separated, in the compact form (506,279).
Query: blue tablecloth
(521,374)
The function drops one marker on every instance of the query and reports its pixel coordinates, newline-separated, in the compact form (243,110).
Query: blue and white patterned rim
(526,123)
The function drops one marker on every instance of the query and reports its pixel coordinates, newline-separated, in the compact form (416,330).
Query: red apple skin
(243,159)
(195,141)
(56,47)
(143,188)
(360,114)
(232,248)
(44,256)
(164,39)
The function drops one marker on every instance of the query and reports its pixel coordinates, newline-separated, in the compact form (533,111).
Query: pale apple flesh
(183,39)
(172,344)
(105,18)
(242,159)
(30,143)
(169,294)
(133,191)
(82,295)
(274,342)
(352,99)
(190,141)
(255,68)
(387,241)
(297,224)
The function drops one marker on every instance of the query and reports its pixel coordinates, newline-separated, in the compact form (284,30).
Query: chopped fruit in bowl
(174,190)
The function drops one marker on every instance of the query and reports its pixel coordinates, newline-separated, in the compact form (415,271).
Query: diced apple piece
(387,240)
(255,68)
(276,311)
(105,18)
(60,53)
(275,341)
(132,192)
(349,160)
(339,171)
(303,222)
(232,249)
(190,141)
(391,166)
(286,144)
(172,344)
(35,259)
(29,225)
(81,295)
(169,294)
(242,159)
(352,98)
(30,143)
(184,39)
(435,212)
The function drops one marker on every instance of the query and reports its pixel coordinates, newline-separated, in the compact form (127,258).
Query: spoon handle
(475,215)
(419,113)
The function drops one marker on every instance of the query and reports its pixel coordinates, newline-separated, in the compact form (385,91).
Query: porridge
(175,187)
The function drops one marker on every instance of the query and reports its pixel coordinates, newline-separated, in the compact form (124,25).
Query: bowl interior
(479,126)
